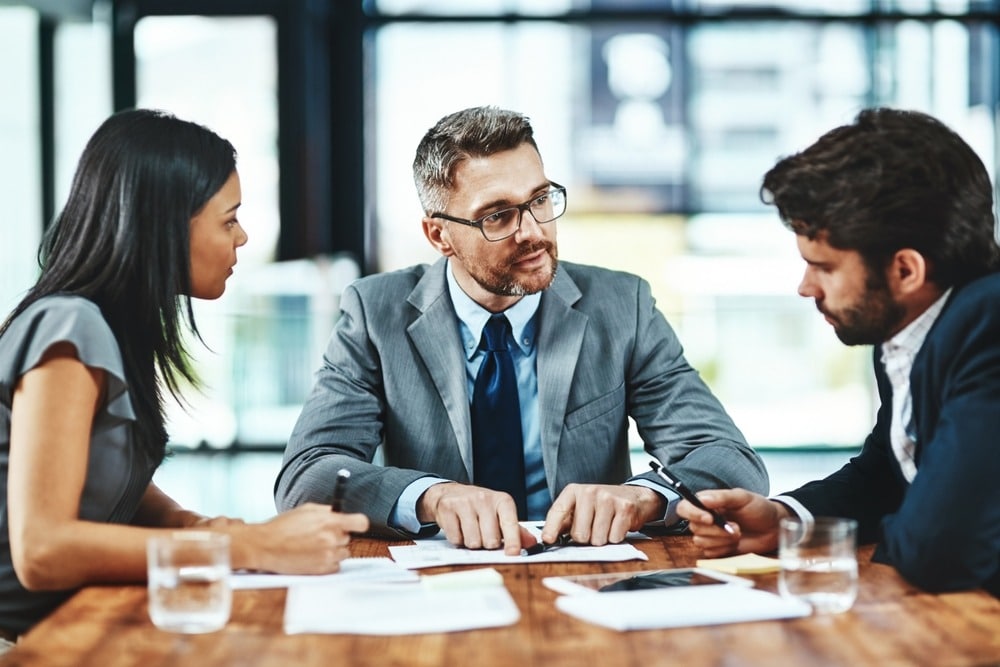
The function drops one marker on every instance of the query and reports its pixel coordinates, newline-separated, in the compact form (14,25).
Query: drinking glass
(819,563)
(189,587)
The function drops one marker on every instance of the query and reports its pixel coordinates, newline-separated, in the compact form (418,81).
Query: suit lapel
(560,337)
(435,337)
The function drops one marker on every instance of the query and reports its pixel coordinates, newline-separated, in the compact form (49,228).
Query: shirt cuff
(404,513)
(670,515)
(797,508)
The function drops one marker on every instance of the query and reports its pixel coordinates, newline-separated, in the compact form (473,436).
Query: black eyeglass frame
(521,208)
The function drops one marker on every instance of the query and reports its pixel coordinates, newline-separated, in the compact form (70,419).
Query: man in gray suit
(589,350)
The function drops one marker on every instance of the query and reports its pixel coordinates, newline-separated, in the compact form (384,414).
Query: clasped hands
(480,518)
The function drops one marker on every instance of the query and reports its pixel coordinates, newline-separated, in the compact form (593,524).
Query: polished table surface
(891,623)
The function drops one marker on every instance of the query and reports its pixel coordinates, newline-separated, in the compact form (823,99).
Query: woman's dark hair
(892,180)
(123,242)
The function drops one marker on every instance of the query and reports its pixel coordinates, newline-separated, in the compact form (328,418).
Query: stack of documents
(375,596)
(473,600)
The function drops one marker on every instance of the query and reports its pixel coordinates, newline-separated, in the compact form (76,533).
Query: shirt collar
(473,317)
(911,337)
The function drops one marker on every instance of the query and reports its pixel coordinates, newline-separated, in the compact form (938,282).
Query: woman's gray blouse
(118,471)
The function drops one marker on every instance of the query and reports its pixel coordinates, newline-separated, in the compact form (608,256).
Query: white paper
(396,609)
(434,554)
(436,551)
(352,570)
(680,607)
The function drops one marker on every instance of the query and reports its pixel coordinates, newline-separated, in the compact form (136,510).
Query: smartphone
(641,580)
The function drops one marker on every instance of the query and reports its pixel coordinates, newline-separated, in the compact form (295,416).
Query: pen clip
(662,472)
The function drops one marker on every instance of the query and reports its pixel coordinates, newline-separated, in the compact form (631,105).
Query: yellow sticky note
(742,564)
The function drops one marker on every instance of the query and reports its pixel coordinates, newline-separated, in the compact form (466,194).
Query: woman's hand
(310,539)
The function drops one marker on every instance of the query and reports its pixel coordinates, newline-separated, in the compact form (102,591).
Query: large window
(265,335)
(81,99)
(661,118)
(236,96)
(20,167)
(659,115)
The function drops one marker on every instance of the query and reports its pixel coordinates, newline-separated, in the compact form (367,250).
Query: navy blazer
(942,531)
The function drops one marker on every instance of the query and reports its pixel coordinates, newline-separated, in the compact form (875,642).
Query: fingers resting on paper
(597,514)
(600,514)
(475,517)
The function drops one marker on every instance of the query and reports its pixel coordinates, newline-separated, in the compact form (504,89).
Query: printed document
(352,570)
(436,551)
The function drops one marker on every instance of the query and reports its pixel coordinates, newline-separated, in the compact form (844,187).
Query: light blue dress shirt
(471,319)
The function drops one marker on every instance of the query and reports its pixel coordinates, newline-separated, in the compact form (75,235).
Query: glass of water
(819,562)
(189,588)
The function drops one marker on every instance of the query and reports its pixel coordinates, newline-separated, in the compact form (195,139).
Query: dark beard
(873,319)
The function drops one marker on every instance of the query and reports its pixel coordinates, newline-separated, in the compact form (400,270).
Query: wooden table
(891,624)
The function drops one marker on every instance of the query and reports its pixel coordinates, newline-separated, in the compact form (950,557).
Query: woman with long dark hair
(150,222)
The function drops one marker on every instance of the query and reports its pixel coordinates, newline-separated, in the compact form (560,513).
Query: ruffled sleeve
(65,319)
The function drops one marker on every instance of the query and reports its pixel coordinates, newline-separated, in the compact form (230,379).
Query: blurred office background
(660,117)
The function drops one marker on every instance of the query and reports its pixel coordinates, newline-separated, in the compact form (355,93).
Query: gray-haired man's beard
(515,288)
(507,285)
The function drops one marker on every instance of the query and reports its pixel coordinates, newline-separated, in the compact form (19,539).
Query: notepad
(680,607)
(742,564)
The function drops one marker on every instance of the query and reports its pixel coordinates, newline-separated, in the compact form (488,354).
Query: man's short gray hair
(470,133)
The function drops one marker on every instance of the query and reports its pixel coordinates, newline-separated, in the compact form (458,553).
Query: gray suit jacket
(394,376)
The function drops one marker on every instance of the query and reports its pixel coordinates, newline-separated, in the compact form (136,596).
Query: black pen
(339,487)
(541,547)
(688,495)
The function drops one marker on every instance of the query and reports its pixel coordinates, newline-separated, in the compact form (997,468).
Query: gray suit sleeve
(341,426)
(681,422)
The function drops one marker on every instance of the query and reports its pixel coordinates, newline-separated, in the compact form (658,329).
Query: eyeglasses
(501,224)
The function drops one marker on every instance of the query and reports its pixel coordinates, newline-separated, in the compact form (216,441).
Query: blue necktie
(497,447)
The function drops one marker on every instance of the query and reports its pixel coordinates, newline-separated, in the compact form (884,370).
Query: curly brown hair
(891,180)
